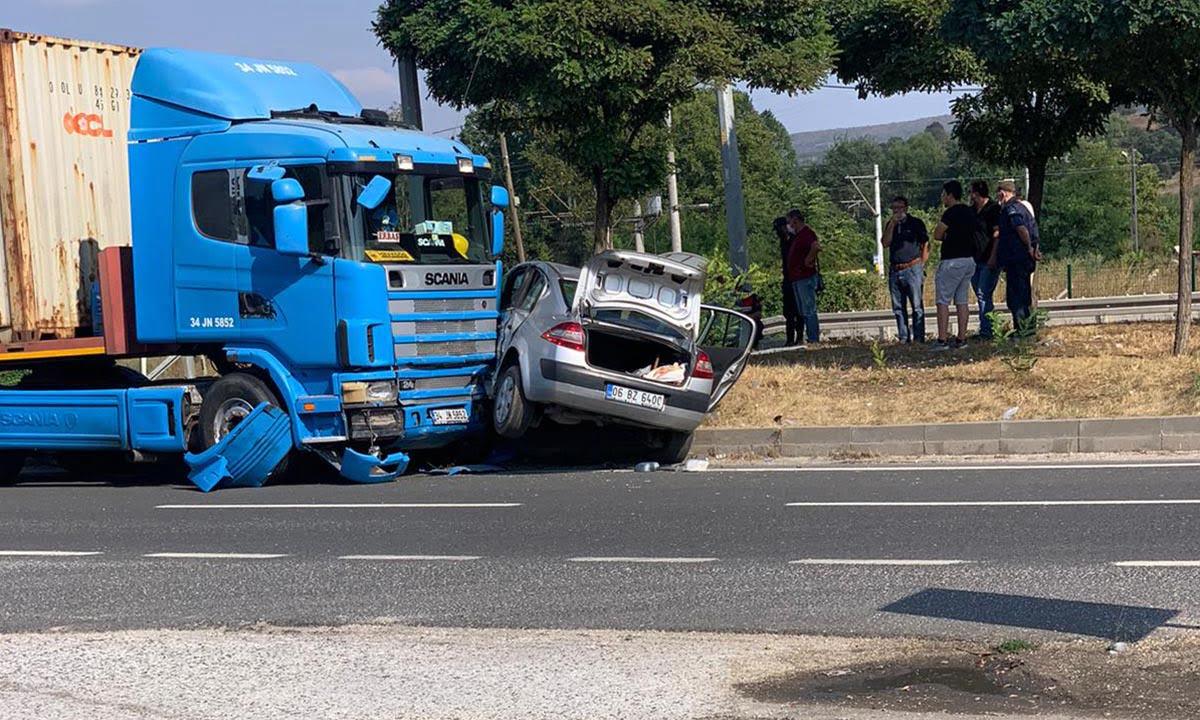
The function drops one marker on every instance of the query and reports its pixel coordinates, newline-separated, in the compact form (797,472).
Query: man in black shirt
(907,241)
(987,211)
(956,233)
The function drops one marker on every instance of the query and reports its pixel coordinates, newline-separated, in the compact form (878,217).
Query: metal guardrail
(881,324)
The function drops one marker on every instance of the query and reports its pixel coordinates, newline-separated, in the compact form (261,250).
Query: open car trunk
(635,354)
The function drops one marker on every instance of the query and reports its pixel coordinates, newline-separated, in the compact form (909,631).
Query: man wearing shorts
(956,233)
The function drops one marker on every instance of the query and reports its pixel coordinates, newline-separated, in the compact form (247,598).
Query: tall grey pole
(410,91)
(673,195)
(512,198)
(1133,183)
(735,208)
(639,238)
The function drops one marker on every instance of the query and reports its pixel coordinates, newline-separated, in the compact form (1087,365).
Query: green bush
(851,291)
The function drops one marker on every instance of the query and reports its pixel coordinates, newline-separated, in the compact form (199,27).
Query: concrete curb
(1013,437)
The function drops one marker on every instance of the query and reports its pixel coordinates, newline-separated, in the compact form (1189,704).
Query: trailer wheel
(228,401)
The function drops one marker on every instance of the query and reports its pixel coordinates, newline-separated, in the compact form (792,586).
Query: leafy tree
(1149,51)
(1033,107)
(595,78)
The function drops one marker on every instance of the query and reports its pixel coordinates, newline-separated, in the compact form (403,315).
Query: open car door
(728,337)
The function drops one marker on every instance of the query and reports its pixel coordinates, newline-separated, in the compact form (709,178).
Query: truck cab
(329,262)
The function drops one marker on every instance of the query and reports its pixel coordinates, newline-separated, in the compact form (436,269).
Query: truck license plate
(629,396)
(449,416)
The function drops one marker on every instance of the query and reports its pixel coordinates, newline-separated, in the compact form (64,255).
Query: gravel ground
(433,674)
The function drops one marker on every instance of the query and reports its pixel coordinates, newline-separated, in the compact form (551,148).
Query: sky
(336,34)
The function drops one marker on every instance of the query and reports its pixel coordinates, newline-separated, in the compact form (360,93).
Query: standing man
(1016,251)
(907,241)
(802,271)
(956,233)
(791,318)
(987,213)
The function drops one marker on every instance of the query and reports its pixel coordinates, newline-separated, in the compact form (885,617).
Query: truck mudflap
(363,468)
(247,455)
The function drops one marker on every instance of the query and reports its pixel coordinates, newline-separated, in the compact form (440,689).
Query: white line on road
(990,503)
(417,558)
(912,468)
(215,555)
(859,561)
(338,506)
(1158,563)
(690,560)
(48,553)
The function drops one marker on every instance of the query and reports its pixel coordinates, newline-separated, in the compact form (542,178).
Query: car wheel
(675,448)
(511,412)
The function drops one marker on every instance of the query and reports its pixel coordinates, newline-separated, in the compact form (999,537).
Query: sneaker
(939,346)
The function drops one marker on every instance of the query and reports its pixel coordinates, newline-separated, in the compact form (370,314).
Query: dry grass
(1081,372)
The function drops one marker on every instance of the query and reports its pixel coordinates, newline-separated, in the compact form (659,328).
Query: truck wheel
(11,464)
(228,401)
(511,412)
(675,448)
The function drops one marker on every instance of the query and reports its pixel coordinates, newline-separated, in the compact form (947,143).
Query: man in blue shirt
(907,241)
(1016,251)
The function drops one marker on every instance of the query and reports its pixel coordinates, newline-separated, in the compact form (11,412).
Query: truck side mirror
(499,203)
(373,195)
(291,218)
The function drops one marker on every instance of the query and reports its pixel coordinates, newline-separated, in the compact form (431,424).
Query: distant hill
(812,146)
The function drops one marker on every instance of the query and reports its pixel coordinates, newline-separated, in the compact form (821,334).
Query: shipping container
(64,178)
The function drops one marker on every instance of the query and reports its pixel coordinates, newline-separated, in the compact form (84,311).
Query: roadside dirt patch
(1149,680)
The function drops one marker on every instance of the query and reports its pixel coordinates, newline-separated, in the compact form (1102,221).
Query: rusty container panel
(64,178)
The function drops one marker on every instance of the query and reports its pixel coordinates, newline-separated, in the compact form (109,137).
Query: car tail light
(568,335)
(704,368)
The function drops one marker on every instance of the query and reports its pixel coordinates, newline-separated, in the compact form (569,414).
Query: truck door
(287,303)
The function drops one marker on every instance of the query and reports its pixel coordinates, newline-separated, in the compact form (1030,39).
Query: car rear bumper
(576,388)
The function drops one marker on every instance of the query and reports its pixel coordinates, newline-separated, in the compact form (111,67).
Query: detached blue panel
(237,88)
(247,455)
(63,419)
(360,468)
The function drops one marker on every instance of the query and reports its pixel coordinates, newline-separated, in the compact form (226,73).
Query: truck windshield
(425,219)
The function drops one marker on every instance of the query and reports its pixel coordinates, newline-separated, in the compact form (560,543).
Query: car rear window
(568,290)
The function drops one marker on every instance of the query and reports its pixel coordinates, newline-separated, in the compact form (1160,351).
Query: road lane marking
(48,553)
(990,503)
(215,555)
(863,561)
(909,468)
(1158,563)
(682,560)
(335,506)
(418,558)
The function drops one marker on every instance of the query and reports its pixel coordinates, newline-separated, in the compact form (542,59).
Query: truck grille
(437,327)
(455,347)
(441,383)
(448,305)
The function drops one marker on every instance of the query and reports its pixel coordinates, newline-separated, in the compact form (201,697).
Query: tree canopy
(597,77)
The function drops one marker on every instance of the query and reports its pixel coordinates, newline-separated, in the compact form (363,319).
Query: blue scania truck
(339,272)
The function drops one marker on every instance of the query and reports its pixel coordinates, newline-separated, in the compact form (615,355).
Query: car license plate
(450,416)
(629,396)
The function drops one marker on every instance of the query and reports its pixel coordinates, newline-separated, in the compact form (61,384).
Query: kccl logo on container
(88,124)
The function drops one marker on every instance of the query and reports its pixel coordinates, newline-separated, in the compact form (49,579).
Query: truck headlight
(378,391)
(381,392)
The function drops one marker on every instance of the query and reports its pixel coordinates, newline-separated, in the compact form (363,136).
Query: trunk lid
(668,287)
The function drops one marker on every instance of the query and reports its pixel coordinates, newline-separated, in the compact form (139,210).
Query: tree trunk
(1187,173)
(1037,185)
(602,230)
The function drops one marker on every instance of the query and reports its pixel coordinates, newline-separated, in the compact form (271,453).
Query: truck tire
(228,401)
(11,464)
(512,414)
(675,448)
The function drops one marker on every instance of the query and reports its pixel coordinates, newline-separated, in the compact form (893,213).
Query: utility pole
(639,239)
(878,227)
(1025,189)
(512,198)
(735,208)
(410,92)
(1133,183)
(673,195)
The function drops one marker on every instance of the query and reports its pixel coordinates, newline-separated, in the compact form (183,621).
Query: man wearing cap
(1016,251)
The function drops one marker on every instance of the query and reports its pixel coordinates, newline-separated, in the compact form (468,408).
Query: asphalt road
(985,553)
